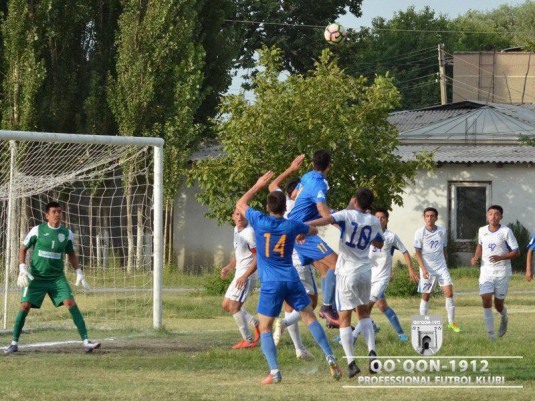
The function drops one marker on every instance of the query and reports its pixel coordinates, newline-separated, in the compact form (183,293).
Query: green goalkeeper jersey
(49,247)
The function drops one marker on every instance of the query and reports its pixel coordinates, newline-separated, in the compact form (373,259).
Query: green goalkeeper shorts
(58,289)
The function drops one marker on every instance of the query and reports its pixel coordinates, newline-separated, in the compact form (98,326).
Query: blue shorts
(274,293)
(313,249)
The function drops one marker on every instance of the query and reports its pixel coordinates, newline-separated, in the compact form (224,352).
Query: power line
(375,29)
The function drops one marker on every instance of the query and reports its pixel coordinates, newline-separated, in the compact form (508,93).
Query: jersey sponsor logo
(61,237)
(49,255)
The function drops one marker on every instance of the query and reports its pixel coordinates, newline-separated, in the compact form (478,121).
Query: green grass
(191,358)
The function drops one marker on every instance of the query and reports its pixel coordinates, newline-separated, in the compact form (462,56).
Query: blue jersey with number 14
(275,239)
(357,231)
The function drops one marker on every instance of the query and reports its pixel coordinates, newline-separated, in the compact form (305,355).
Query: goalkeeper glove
(24,276)
(80,279)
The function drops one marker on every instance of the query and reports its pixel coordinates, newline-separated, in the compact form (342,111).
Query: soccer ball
(335,33)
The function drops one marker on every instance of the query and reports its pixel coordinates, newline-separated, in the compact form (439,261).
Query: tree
(24,66)
(155,92)
(300,44)
(326,109)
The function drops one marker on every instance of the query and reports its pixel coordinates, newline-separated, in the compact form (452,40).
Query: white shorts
(308,278)
(353,290)
(425,286)
(494,285)
(240,295)
(378,289)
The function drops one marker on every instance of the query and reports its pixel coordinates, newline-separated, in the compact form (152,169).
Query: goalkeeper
(50,241)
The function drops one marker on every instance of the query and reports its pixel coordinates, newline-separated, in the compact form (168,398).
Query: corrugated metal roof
(409,120)
(472,153)
(486,124)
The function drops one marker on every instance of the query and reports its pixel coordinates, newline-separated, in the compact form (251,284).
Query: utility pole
(442,74)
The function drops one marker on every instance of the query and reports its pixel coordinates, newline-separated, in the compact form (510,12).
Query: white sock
(242,325)
(249,318)
(293,330)
(488,317)
(367,332)
(424,307)
(450,309)
(504,311)
(274,371)
(291,317)
(14,342)
(346,337)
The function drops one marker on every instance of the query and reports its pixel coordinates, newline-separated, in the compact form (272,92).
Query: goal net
(109,189)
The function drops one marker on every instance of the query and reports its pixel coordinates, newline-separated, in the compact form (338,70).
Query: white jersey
(289,206)
(358,229)
(244,243)
(432,244)
(381,258)
(497,242)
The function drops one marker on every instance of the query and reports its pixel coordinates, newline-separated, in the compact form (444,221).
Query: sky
(387,8)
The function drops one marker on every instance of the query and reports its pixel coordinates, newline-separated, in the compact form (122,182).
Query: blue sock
(319,335)
(323,288)
(269,350)
(391,315)
(330,286)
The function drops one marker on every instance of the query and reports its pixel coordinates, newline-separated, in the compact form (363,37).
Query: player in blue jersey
(279,282)
(311,204)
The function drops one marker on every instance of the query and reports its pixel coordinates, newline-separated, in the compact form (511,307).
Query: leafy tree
(300,45)
(326,109)
(158,78)
(23,64)
(410,57)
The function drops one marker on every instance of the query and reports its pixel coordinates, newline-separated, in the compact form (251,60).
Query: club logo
(426,334)
(61,237)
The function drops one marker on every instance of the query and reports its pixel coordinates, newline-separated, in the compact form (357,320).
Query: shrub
(523,237)
(402,285)
(215,285)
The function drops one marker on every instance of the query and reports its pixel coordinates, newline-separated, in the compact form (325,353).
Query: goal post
(111,191)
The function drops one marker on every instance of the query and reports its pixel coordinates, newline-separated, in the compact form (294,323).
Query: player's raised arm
(294,167)
(324,221)
(243,204)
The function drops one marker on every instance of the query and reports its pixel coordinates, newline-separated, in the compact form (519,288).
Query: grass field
(191,358)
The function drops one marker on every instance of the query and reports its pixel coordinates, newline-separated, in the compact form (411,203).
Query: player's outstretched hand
(80,279)
(296,164)
(300,239)
(24,276)
(264,180)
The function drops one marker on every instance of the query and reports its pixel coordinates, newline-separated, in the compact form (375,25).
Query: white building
(479,161)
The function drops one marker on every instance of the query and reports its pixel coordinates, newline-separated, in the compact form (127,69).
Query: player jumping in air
(381,259)
(430,243)
(311,204)
(275,238)
(353,271)
(50,241)
(306,273)
(496,247)
(244,281)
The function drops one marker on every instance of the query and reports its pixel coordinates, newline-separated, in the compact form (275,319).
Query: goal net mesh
(106,195)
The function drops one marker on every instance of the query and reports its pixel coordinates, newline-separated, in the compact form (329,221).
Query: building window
(468,209)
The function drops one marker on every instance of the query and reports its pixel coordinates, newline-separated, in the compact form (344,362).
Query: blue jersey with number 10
(275,239)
